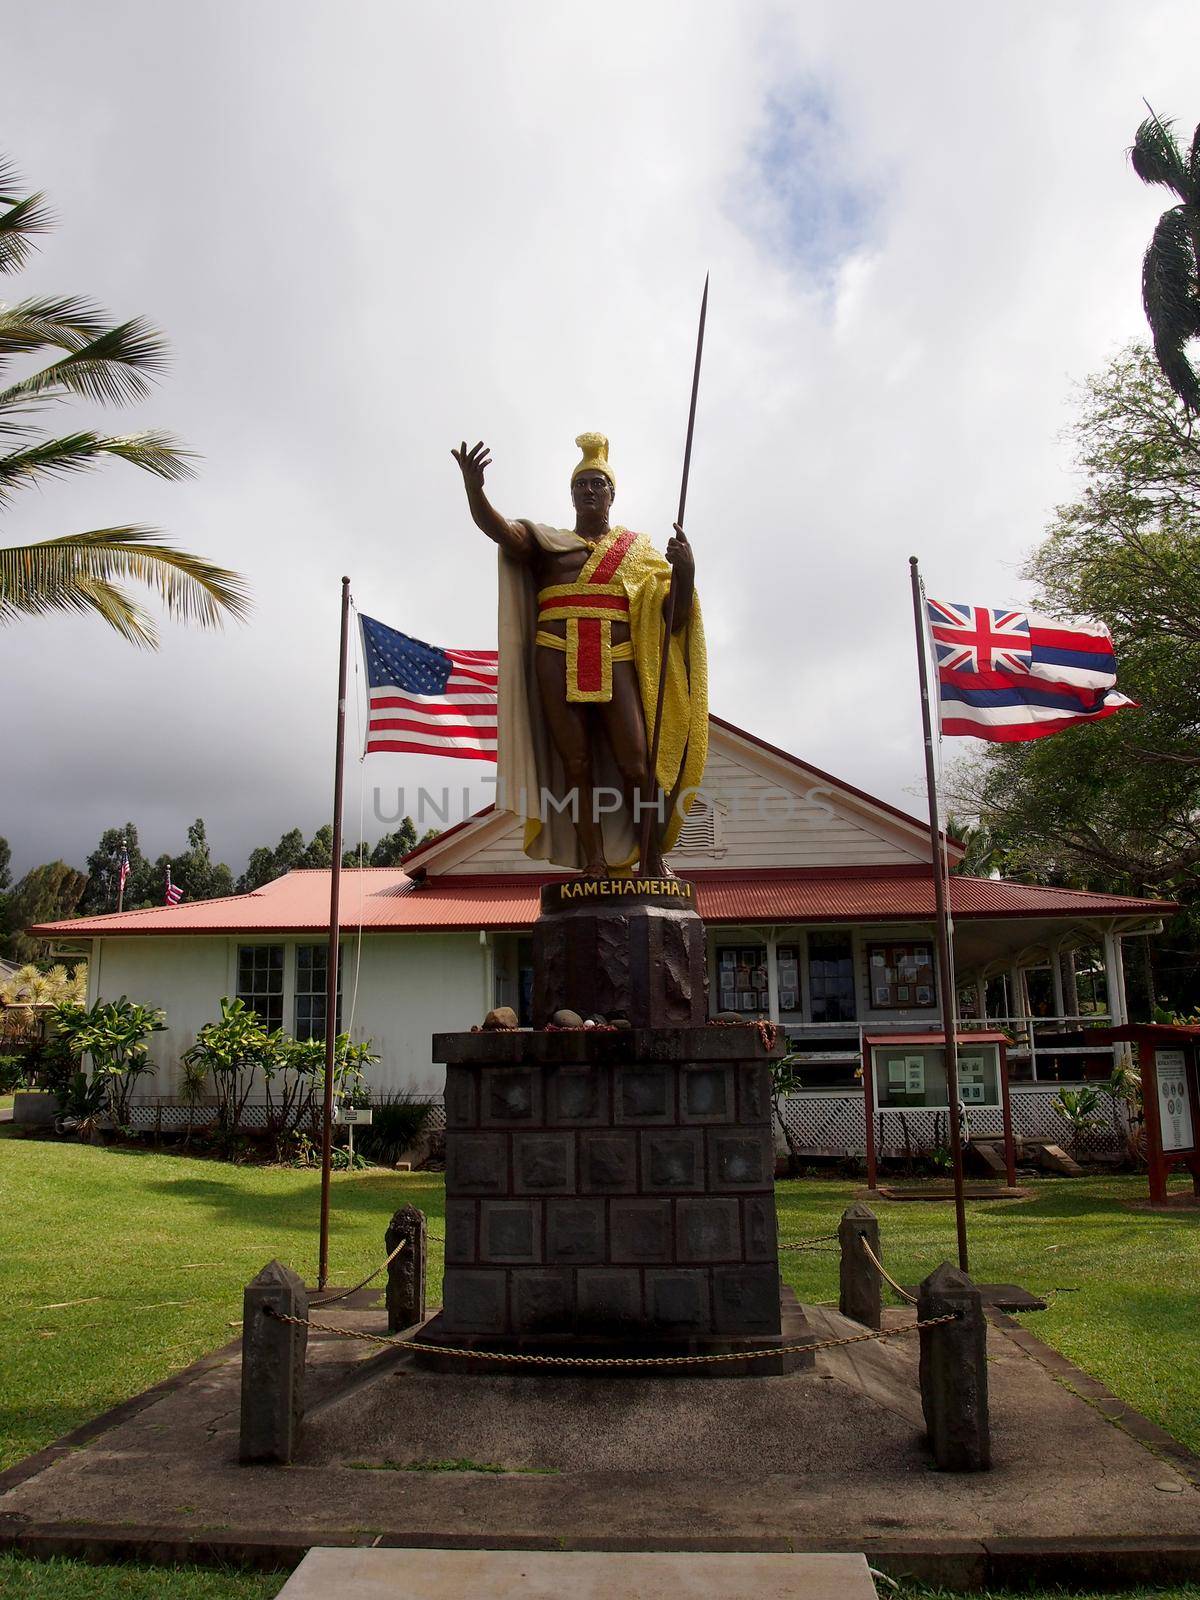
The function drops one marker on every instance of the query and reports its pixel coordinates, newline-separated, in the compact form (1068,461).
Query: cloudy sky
(372,229)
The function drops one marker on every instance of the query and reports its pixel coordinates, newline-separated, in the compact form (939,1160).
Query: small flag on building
(427,700)
(1009,675)
(173,894)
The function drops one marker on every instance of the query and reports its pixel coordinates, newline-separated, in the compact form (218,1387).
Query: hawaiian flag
(424,699)
(1007,675)
(173,893)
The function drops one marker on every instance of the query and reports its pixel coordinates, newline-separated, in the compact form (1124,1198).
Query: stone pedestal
(611,1191)
(628,947)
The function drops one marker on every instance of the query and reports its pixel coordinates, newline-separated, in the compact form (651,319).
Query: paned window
(830,977)
(312,972)
(742,979)
(260,981)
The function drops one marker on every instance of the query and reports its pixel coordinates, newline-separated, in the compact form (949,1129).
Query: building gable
(758,808)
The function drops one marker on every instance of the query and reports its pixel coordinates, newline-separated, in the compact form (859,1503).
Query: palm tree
(107,364)
(1171,268)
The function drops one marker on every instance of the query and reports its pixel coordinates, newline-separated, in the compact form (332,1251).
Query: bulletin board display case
(907,1071)
(911,1071)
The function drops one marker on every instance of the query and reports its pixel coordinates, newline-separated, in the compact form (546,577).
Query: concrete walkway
(831,1459)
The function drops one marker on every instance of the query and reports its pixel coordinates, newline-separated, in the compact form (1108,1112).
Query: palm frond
(1194,162)
(76,452)
(18,225)
(66,322)
(81,571)
(109,369)
(1169,295)
(1156,157)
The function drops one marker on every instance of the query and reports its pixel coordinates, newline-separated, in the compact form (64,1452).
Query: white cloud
(372,231)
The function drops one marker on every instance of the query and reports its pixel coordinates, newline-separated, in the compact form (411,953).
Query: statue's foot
(595,869)
(656,867)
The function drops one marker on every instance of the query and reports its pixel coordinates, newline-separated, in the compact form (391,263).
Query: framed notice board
(901,976)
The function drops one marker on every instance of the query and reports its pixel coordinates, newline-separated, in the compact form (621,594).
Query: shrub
(13,1073)
(114,1034)
(397,1122)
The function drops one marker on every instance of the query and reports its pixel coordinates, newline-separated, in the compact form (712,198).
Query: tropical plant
(26,993)
(114,1034)
(1080,1108)
(785,1081)
(397,1121)
(14,1073)
(105,363)
(1171,266)
(289,1070)
(80,1102)
(1123,1091)
(229,1051)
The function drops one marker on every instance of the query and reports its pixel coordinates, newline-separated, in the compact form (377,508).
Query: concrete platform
(1083,1489)
(576,1575)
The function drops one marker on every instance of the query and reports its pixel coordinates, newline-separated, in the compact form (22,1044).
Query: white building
(818,900)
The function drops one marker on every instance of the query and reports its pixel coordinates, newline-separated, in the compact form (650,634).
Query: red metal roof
(386,899)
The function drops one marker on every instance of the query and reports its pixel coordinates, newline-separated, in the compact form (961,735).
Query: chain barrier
(816,1243)
(344,1294)
(884,1274)
(513,1358)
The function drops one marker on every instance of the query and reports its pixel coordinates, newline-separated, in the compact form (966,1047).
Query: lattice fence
(172,1116)
(833,1124)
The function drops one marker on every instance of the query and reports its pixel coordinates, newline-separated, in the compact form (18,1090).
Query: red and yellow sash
(588,607)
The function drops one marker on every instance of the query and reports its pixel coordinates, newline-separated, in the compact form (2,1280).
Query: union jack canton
(1008,675)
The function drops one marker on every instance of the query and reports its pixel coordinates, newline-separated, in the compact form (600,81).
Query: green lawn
(118,1267)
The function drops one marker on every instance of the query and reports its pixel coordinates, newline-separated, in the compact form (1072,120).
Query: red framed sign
(1170,1102)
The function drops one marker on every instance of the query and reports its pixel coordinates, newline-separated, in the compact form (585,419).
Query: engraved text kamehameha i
(582,645)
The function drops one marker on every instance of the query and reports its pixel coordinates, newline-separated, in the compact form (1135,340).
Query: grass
(56,1580)
(118,1267)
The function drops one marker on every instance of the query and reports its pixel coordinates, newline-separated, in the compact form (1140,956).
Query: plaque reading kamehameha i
(625,947)
(675,894)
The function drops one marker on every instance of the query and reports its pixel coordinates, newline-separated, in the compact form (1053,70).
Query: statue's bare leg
(625,725)
(568,726)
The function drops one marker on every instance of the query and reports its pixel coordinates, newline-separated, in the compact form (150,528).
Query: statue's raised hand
(473,463)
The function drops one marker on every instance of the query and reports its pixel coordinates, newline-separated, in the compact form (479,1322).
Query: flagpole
(331,962)
(947,1007)
(121,876)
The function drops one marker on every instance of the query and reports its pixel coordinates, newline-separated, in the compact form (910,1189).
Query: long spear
(669,610)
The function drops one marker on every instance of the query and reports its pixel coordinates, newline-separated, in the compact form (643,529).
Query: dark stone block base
(627,947)
(794,1330)
(610,1190)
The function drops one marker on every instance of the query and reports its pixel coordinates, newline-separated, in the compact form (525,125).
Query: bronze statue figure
(581,643)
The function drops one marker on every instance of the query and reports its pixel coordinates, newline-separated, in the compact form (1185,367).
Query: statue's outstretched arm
(510,536)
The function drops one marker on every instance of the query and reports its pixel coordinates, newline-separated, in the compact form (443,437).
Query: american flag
(1007,676)
(424,699)
(173,893)
(123,869)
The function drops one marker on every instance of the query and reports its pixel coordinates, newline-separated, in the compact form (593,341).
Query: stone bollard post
(954,1393)
(273,1355)
(861,1292)
(406,1274)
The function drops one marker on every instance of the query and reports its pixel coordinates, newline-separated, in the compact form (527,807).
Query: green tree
(393,846)
(104,867)
(104,363)
(196,873)
(5,864)
(1115,805)
(46,894)
(1171,267)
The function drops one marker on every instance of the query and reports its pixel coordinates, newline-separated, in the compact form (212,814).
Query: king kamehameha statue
(582,619)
